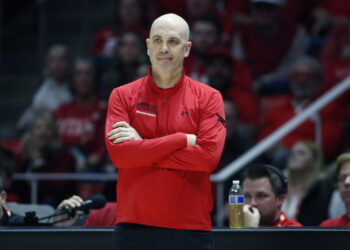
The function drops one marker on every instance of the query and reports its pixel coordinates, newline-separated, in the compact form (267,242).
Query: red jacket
(285,222)
(162,182)
(341,221)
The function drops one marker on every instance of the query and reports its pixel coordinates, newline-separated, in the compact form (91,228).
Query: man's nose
(253,202)
(347,180)
(164,48)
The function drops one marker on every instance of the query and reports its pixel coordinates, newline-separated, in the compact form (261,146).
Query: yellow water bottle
(236,202)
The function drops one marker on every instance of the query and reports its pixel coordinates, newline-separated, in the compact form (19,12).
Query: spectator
(232,78)
(264,187)
(81,121)
(42,152)
(307,188)
(104,217)
(206,31)
(198,8)
(343,184)
(325,127)
(129,15)
(129,55)
(269,45)
(55,88)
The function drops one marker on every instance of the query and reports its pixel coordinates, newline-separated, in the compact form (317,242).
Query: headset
(283,178)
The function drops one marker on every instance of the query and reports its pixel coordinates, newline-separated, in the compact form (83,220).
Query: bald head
(171,21)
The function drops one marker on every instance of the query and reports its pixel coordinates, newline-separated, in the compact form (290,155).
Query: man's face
(129,12)
(196,8)
(305,82)
(344,183)
(129,49)
(259,194)
(58,65)
(167,47)
(42,132)
(84,78)
(300,158)
(204,36)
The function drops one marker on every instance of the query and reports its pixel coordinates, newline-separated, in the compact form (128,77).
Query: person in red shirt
(343,183)
(165,133)
(324,127)
(269,45)
(129,15)
(264,187)
(81,122)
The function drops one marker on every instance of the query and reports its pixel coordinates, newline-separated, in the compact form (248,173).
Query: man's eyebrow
(172,37)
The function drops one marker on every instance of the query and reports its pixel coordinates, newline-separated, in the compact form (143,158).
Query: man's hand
(191,139)
(122,132)
(251,216)
(72,202)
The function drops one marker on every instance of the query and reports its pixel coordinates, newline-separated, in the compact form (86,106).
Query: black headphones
(283,178)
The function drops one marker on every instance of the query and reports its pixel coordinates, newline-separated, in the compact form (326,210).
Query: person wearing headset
(264,188)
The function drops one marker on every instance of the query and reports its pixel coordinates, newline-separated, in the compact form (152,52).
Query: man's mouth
(164,58)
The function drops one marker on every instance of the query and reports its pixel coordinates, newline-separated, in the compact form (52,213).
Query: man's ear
(147,43)
(188,47)
(280,199)
(3,195)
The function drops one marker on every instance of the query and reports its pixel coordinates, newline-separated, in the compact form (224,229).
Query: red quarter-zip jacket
(163,182)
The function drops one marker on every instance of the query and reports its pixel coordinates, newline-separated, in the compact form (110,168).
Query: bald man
(165,133)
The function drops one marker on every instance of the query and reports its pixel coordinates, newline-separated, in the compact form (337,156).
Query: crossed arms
(200,152)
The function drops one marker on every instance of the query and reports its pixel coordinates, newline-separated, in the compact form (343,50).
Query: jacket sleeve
(137,153)
(205,155)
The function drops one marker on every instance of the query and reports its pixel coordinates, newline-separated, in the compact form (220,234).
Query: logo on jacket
(185,112)
(221,120)
(146,109)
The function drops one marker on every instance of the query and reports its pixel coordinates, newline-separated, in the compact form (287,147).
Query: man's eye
(157,40)
(173,42)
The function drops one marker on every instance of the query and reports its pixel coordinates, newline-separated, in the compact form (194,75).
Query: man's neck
(165,80)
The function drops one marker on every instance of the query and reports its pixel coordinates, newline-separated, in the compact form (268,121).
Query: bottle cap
(235,182)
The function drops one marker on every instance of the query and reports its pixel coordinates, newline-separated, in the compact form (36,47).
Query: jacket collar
(168,91)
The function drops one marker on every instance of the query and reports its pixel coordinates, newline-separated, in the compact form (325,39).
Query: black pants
(128,236)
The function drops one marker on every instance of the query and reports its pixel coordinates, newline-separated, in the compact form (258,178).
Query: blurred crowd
(270,59)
